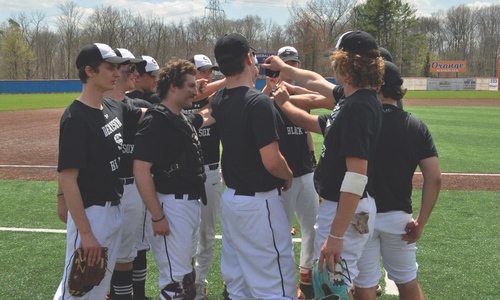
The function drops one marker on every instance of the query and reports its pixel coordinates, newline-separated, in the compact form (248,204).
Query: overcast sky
(175,10)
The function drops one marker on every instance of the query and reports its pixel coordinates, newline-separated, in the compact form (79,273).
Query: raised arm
(305,78)
(209,89)
(296,115)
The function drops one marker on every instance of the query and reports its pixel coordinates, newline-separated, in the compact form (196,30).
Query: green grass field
(458,254)
(37,101)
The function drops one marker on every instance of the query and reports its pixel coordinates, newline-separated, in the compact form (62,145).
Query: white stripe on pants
(173,253)
(206,241)
(302,200)
(257,254)
(106,225)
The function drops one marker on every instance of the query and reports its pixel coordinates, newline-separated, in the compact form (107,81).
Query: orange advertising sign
(438,66)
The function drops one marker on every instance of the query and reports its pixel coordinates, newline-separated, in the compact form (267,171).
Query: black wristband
(158,219)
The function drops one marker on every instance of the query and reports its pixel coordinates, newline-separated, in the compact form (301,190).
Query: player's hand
(201,85)
(91,248)
(413,232)
(330,252)
(271,82)
(287,185)
(281,96)
(289,87)
(62,209)
(161,227)
(274,63)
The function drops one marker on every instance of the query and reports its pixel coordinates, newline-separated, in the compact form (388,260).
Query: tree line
(31,49)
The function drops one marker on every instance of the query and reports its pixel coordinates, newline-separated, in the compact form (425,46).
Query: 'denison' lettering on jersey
(111,127)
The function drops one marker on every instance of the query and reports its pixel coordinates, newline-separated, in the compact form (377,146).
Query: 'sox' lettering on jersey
(204,131)
(128,148)
(294,131)
(112,126)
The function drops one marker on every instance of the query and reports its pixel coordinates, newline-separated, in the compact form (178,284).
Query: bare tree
(68,26)
(313,28)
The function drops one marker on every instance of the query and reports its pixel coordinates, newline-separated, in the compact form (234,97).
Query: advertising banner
(459,66)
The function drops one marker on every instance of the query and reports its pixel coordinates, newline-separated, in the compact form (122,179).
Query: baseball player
(90,148)
(145,84)
(405,142)
(167,146)
(301,199)
(122,279)
(257,260)
(344,175)
(209,140)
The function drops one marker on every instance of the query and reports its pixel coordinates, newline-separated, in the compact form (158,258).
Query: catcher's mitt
(83,278)
(330,285)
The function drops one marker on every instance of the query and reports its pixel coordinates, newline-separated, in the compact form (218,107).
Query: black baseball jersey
(157,141)
(247,122)
(296,150)
(404,142)
(91,140)
(351,130)
(338,93)
(209,136)
(128,139)
(150,97)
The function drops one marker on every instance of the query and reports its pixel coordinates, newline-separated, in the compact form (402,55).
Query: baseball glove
(83,278)
(328,285)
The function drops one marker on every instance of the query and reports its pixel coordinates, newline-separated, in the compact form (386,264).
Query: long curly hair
(359,71)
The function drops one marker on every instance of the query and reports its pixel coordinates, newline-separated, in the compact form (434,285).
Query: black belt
(251,194)
(111,203)
(126,181)
(213,167)
(190,196)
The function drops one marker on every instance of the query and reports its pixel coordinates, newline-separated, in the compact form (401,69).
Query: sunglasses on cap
(131,69)
(287,53)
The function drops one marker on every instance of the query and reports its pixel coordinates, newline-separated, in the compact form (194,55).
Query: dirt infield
(28,143)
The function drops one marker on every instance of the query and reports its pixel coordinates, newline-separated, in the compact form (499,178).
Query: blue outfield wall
(40,86)
(64,86)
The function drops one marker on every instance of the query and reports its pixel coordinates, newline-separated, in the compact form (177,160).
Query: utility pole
(216,12)
(216,19)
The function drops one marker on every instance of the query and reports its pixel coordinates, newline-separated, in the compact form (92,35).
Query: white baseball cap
(151,67)
(122,52)
(203,63)
(288,53)
(98,52)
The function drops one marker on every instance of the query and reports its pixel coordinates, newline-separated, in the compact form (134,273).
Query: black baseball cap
(392,75)
(122,52)
(97,52)
(231,46)
(359,42)
(386,55)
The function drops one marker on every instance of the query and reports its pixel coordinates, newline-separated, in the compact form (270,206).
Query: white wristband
(336,237)
(354,183)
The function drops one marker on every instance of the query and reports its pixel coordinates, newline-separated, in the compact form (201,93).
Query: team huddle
(140,169)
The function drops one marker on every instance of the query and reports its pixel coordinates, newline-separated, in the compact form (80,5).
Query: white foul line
(390,286)
(44,230)
(417,173)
